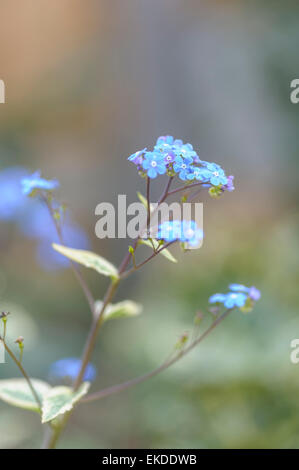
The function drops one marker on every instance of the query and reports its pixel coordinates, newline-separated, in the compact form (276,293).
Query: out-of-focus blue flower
(217,298)
(184,231)
(229,186)
(253,292)
(182,167)
(68,369)
(240,296)
(169,231)
(238,288)
(235,299)
(137,157)
(12,199)
(230,300)
(191,234)
(51,260)
(37,223)
(36,182)
(154,164)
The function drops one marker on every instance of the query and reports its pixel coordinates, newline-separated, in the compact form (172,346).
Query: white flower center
(154,164)
(184,166)
(216,173)
(190,233)
(168,158)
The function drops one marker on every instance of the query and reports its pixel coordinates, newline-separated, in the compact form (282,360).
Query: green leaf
(124,309)
(88,259)
(16,392)
(59,400)
(166,253)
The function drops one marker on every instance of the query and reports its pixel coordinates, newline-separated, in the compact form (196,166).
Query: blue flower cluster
(174,157)
(239,296)
(68,368)
(184,231)
(33,219)
(35,182)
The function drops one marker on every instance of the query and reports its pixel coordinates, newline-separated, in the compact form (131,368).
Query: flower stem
(24,373)
(165,365)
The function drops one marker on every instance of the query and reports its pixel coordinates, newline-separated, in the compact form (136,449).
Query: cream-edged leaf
(124,309)
(89,260)
(17,392)
(61,399)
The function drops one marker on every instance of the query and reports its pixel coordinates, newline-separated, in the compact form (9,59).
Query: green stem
(130,383)
(24,373)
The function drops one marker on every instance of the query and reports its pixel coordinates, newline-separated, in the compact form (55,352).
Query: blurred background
(87,84)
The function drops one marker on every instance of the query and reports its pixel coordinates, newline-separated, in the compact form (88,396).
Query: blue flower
(182,166)
(214,174)
(235,299)
(185,150)
(252,292)
(197,173)
(154,164)
(217,298)
(137,157)
(238,288)
(169,231)
(240,296)
(191,234)
(12,199)
(164,144)
(68,369)
(184,231)
(36,182)
(229,186)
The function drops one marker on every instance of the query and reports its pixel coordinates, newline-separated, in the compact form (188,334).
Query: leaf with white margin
(89,260)
(61,399)
(17,392)
(124,309)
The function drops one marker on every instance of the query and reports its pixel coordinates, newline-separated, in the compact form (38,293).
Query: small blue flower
(182,167)
(229,186)
(252,292)
(185,151)
(238,288)
(164,144)
(36,182)
(214,174)
(154,164)
(240,296)
(68,369)
(197,173)
(191,234)
(169,231)
(235,299)
(184,231)
(137,157)
(217,298)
